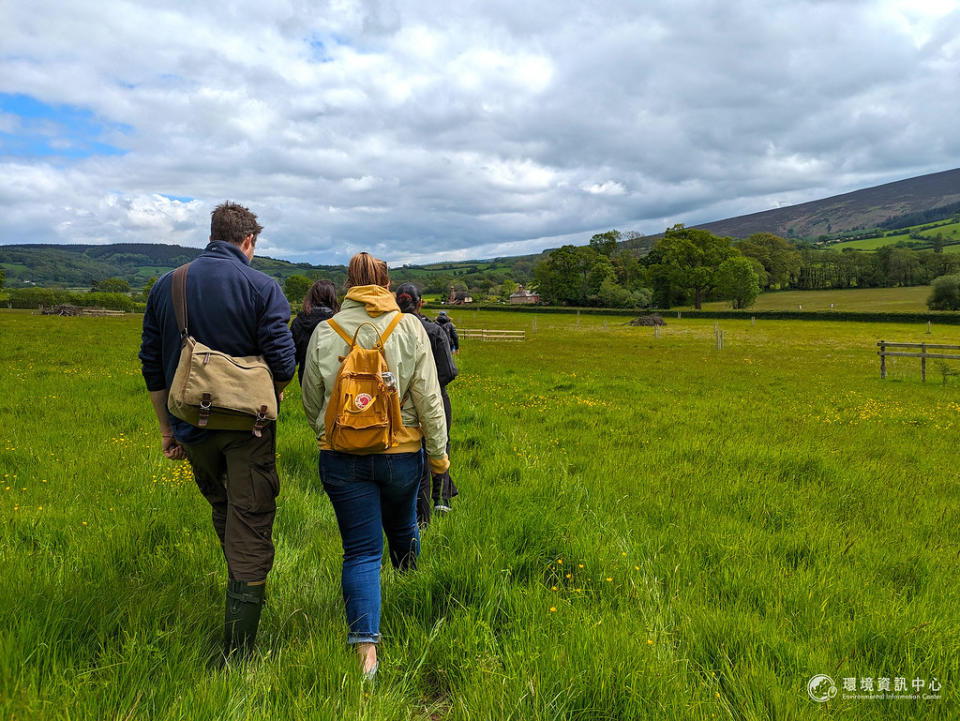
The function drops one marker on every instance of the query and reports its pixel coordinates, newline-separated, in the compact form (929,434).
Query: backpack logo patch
(363,400)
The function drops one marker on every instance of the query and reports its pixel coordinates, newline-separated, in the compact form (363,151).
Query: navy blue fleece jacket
(230,307)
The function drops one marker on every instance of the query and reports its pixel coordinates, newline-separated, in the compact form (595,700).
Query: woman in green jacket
(375,493)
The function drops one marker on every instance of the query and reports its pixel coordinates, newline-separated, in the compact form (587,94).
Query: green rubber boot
(244,603)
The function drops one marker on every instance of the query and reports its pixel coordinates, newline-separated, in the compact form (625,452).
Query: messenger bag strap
(179,292)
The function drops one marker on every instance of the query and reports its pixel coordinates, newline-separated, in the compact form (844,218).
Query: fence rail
(922,354)
(492,335)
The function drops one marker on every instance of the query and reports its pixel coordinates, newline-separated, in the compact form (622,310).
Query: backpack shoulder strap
(382,337)
(340,331)
(393,324)
(179,292)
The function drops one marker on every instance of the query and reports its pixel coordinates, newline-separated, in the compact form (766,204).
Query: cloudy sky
(422,130)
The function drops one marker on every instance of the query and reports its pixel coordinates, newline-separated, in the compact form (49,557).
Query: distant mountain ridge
(866,208)
(81,265)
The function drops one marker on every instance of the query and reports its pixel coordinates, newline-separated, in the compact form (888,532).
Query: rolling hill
(865,208)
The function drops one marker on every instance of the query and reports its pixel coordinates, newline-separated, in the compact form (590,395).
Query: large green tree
(605,243)
(111,285)
(780,259)
(737,281)
(692,257)
(296,287)
(562,277)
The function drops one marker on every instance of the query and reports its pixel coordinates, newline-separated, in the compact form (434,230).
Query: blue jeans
(370,493)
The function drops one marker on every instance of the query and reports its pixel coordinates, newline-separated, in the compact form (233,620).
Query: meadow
(648,528)
(912,299)
(949,231)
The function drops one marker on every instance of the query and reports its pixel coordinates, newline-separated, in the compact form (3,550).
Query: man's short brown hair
(232,222)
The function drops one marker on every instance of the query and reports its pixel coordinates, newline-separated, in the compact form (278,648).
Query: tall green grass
(648,528)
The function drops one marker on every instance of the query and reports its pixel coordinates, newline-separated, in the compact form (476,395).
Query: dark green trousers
(237,474)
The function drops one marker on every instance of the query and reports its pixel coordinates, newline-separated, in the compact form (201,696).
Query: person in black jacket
(443,320)
(438,490)
(319,305)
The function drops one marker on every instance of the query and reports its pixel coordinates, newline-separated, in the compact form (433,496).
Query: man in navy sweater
(240,311)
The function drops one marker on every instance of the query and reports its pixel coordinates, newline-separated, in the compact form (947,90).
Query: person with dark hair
(375,492)
(436,490)
(445,322)
(319,304)
(242,312)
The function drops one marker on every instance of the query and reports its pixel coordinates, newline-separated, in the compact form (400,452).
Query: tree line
(690,266)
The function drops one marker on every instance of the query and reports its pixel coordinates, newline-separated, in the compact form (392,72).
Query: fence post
(883,359)
(678,315)
(578,317)
(656,331)
(534,324)
(923,362)
(753,320)
(928,327)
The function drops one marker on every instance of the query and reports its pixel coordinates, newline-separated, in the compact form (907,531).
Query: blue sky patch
(178,198)
(321,46)
(59,131)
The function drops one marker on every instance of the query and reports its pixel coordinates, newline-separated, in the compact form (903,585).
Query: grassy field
(891,300)
(648,528)
(950,232)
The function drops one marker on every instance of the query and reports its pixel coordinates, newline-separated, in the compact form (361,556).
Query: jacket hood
(374,298)
(318,311)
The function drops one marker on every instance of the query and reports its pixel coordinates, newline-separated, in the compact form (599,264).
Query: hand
(173,450)
(281,396)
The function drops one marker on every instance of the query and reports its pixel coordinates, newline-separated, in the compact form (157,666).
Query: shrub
(945,293)
(35,297)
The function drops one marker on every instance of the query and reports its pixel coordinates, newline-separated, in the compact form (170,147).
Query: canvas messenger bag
(214,390)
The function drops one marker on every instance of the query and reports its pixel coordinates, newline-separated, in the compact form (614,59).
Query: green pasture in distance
(870,243)
(912,299)
(950,232)
(648,528)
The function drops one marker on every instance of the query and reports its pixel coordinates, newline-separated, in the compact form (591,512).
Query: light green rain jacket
(409,357)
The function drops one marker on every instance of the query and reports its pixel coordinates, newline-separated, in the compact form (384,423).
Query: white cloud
(442,130)
(609,187)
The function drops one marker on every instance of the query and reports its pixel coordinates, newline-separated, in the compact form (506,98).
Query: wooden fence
(922,354)
(492,335)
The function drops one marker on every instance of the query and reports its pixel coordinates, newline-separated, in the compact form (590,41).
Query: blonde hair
(364,269)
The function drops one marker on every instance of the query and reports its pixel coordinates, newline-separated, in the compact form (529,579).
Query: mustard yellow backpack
(363,414)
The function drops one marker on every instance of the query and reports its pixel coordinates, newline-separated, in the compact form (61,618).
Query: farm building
(458,297)
(522,295)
